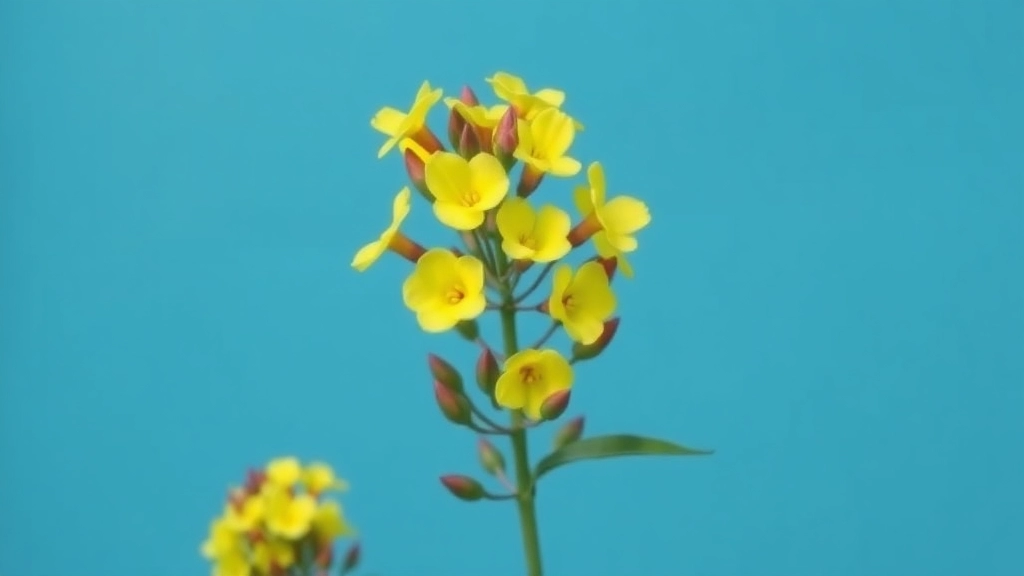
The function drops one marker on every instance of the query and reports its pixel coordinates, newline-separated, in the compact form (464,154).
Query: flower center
(529,375)
(471,198)
(528,241)
(454,296)
(569,301)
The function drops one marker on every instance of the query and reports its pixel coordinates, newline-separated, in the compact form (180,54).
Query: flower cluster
(278,521)
(506,236)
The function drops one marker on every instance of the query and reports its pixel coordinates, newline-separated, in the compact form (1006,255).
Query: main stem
(520,453)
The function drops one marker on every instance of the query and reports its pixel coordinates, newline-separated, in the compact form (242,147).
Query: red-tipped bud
(463,487)
(588,351)
(490,458)
(487,372)
(254,480)
(454,406)
(469,142)
(554,405)
(417,173)
(456,123)
(445,373)
(468,97)
(506,138)
(571,432)
(351,560)
(468,329)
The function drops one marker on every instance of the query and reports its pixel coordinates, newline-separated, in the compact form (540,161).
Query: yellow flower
(612,223)
(391,238)
(479,115)
(530,377)
(223,540)
(544,141)
(527,235)
(398,125)
(284,472)
(319,478)
(606,250)
(329,522)
(512,89)
(235,564)
(245,514)
(289,516)
(273,553)
(463,190)
(582,302)
(445,289)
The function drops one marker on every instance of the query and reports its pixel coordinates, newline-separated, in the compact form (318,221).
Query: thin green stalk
(520,453)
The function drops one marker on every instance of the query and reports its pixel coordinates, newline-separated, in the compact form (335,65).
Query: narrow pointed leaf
(598,447)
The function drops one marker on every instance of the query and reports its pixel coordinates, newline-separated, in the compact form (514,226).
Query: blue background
(830,294)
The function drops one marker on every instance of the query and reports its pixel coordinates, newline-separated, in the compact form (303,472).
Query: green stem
(524,482)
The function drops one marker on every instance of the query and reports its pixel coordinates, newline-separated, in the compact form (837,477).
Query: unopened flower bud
(456,123)
(324,556)
(468,329)
(571,432)
(351,560)
(554,405)
(468,97)
(454,406)
(487,372)
(490,458)
(414,166)
(469,142)
(445,373)
(506,138)
(588,351)
(463,487)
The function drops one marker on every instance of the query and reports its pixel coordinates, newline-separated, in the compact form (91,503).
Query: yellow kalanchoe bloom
(527,235)
(329,522)
(319,478)
(273,553)
(611,223)
(513,89)
(398,125)
(283,472)
(478,115)
(463,190)
(391,238)
(234,565)
(289,516)
(244,512)
(445,289)
(530,377)
(582,302)
(544,142)
(223,540)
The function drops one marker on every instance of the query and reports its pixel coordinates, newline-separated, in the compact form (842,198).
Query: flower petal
(489,179)
(559,283)
(388,121)
(509,391)
(470,271)
(625,215)
(458,216)
(447,176)
(515,218)
(593,293)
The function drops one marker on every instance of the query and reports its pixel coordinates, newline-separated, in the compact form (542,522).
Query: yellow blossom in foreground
(273,553)
(390,238)
(329,522)
(289,516)
(445,289)
(527,235)
(544,142)
(615,220)
(398,125)
(319,478)
(530,377)
(582,302)
(463,190)
(283,472)
(480,116)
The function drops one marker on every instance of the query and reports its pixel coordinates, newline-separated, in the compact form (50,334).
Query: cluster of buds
(280,522)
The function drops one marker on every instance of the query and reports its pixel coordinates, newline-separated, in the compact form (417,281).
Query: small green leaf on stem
(611,446)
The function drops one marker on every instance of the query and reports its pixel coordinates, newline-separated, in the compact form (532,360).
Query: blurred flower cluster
(280,522)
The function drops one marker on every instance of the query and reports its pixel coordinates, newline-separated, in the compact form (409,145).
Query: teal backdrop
(830,293)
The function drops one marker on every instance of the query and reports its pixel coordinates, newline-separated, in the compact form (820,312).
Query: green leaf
(597,447)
